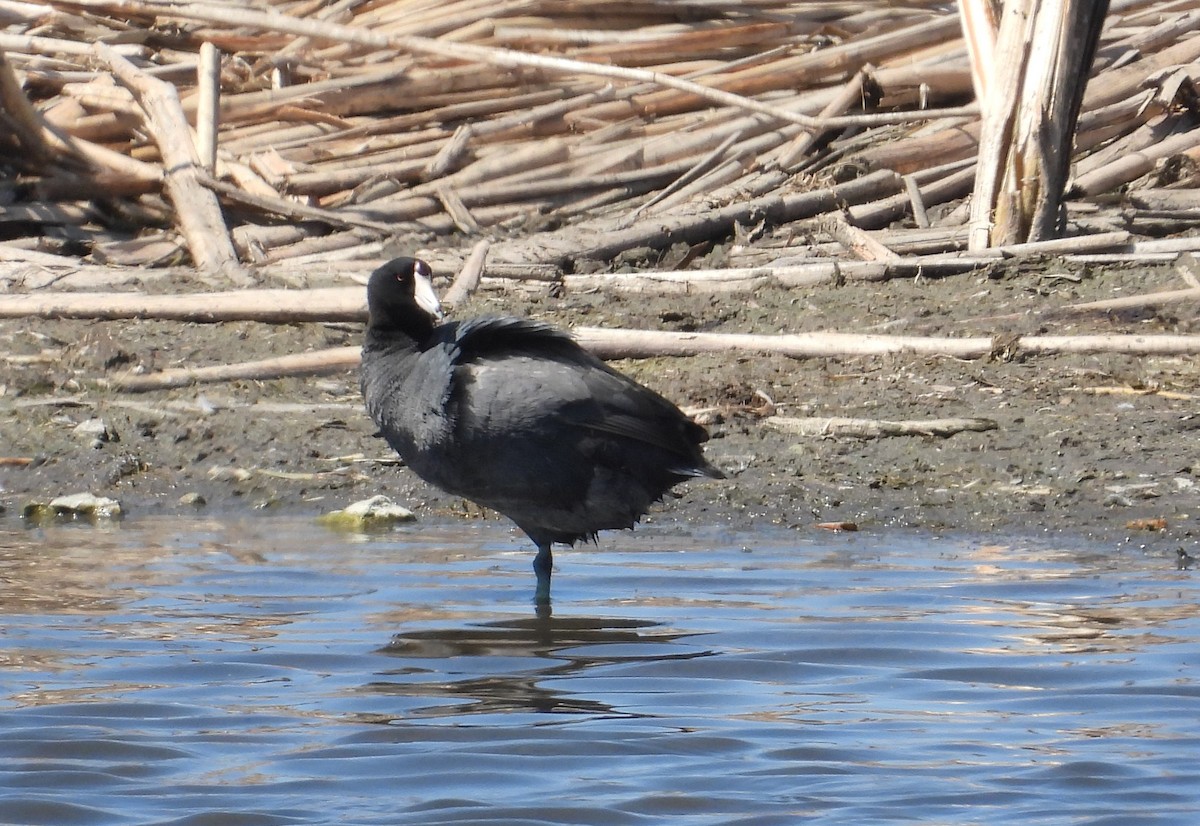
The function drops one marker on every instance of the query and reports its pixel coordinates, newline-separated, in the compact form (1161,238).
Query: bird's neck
(391,340)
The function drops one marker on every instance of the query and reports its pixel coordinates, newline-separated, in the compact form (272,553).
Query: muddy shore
(1084,444)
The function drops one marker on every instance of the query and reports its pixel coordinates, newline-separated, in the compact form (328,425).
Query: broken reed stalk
(348,303)
(301,364)
(841,427)
(270,306)
(208,81)
(468,278)
(646,140)
(612,344)
(619,344)
(196,208)
(112,171)
(1030,96)
(604,239)
(490,55)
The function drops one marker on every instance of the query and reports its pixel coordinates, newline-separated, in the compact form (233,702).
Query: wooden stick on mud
(196,207)
(300,364)
(614,344)
(837,426)
(1162,298)
(278,306)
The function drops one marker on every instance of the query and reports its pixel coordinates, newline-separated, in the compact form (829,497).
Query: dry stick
(456,208)
(738,279)
(916,201)
(857,242)
(274,205)
(1117,84)
(114,171)
(449,155)
(52,46)
(611,344)
(1186,266)
(21,114)
(1116,239)
(1133,165)
(825,270)
(1002,79)
(1156,299)
(319,29)
(662,231)
(524,121)
(732,170)
(300,364)
(1148,134)
(881,212)
(279,306)
(468,277)
(197,209)
(1108,88)
(979,33)
(837,426)
(1049,114)
(338,12)
(506,192)
(348,303)
(208,79)
(1108,305)
(614,344)
(817,63)
(701,167)
(850,94)
(1164,199)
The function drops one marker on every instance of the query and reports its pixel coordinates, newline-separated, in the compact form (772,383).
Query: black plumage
(516,416)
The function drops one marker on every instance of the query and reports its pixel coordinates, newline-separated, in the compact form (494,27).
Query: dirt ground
(1078,448)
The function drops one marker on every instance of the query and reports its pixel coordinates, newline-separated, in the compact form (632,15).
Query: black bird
(516,416)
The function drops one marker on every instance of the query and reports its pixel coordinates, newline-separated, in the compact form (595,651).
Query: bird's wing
(630,410)
(587,393)
(494,336)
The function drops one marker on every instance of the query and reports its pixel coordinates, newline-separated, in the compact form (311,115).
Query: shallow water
(266,671)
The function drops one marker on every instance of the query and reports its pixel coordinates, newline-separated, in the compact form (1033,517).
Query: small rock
(96,432)
(74,506)
(229,474)
(207,408)
(375,514)
(194,499)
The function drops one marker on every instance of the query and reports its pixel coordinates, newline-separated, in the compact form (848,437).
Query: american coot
(514,415)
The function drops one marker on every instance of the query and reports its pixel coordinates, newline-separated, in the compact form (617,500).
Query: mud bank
(1082,444)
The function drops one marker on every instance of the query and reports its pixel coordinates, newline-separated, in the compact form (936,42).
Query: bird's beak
(426,298)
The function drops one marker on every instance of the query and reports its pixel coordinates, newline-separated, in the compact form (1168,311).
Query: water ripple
(265,672)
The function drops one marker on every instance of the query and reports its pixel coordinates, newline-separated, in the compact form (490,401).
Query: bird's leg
(543,563)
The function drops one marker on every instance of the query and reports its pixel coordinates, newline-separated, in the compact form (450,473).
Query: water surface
(266,671)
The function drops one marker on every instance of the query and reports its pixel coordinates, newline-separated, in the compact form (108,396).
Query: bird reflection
(548,649)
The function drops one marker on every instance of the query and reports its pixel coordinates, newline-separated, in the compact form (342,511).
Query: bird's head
(400,298)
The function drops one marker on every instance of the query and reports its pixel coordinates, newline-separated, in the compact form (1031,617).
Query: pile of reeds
(813,139)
